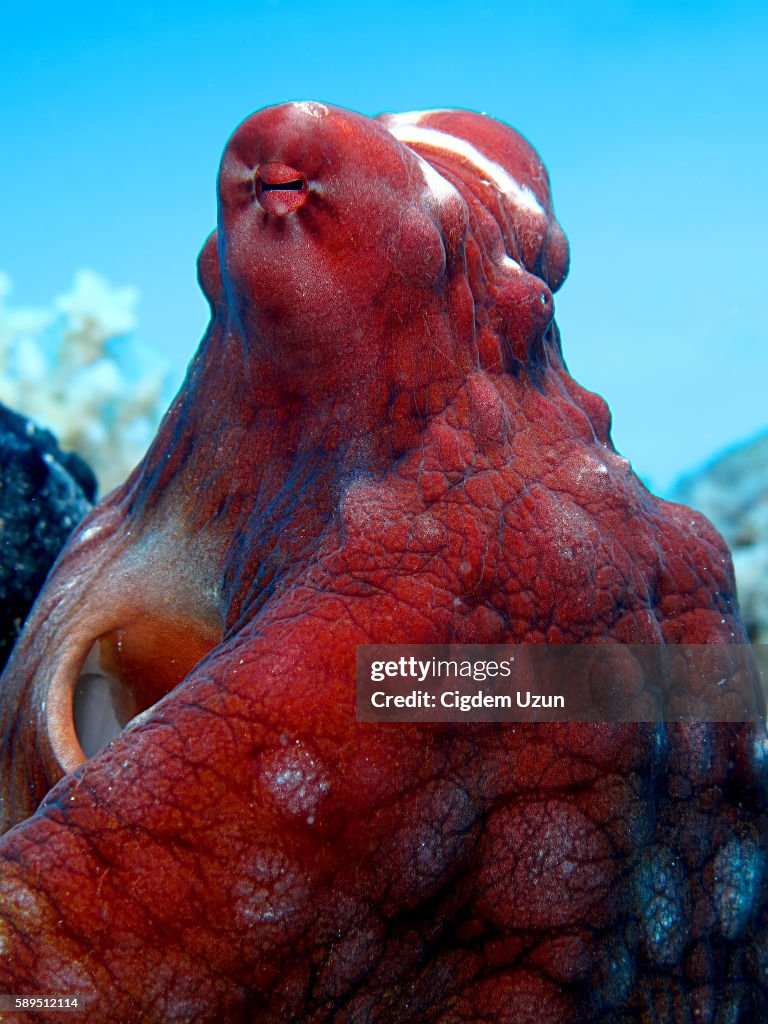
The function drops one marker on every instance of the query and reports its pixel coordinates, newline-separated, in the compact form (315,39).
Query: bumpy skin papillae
(378,441)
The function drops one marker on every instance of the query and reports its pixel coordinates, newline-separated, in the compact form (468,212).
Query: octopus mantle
(378,441)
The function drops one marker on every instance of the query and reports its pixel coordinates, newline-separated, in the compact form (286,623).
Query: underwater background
(650,117)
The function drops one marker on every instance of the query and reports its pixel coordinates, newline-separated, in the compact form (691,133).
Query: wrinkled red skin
(378,441)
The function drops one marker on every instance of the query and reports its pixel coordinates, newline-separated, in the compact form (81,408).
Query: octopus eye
(280,189)
(287,186)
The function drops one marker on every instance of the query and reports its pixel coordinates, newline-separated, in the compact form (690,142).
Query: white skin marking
(311,108)
(507,261)
(494,173)
(442,190)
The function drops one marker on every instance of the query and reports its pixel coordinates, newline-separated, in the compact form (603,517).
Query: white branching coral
(76,369)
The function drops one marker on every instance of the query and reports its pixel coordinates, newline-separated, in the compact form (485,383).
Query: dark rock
(44,493)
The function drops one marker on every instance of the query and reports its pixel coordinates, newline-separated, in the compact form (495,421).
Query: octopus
(377,442)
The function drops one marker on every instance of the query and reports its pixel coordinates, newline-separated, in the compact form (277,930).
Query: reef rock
(44,493)
(732,491)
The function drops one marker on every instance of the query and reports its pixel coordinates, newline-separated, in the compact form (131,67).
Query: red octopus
(377,441)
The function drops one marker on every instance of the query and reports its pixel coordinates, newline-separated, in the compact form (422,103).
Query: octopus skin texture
(378,441)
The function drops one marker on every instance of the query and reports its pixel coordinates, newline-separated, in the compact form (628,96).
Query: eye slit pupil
(284,186)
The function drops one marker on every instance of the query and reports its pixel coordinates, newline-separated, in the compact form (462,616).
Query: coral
(74,369)
(378,441)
